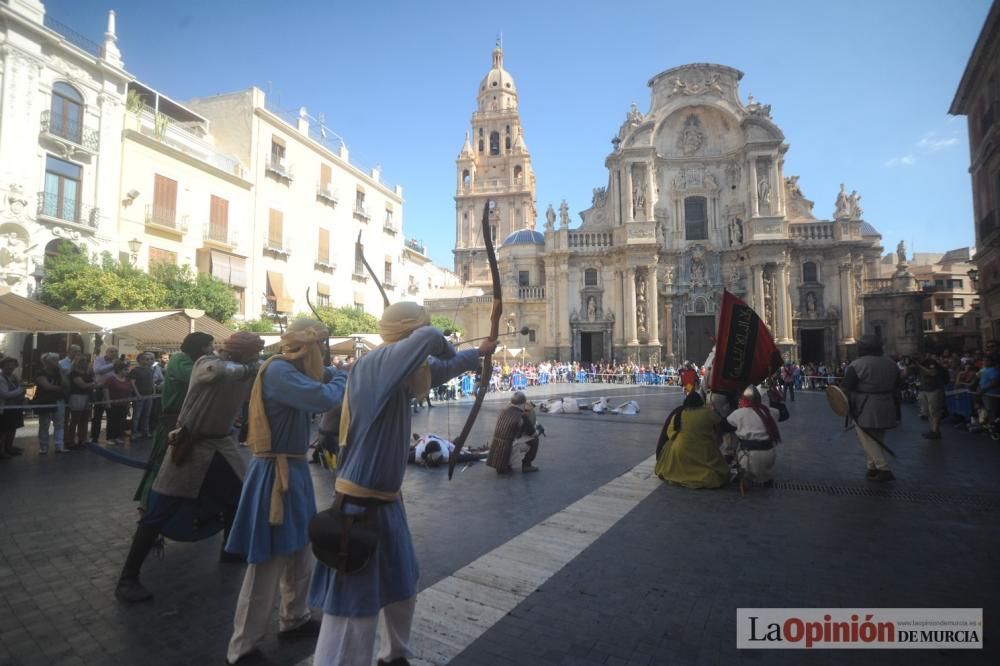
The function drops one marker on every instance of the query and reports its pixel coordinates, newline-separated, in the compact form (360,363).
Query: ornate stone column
(754,200)
(629,207)
(653,305)
(781,302)
(668,330)
(758,289)
(652,191)
(631,335)
(563,324)
(846,304)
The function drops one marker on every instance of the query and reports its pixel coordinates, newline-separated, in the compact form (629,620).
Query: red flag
(745,352)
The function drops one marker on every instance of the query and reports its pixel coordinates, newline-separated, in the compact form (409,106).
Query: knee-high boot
(129,588)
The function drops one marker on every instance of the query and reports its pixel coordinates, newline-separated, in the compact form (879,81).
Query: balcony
(221,236)
(164,219)
(388,284)
(531,293)
(325,264)
(327,195)
(390,228)
(415,245)
(279,169)
(53,208)
(279,246)
(590,240)
(361,212)
(413,287)
(813,231)
(359,274)
(69,133)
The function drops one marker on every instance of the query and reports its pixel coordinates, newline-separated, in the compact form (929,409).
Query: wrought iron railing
(222,234)
(164,216)
(360,210)
(52,206)
(72,36)
(327,193)
(279,168)
(71,130)
(415,245)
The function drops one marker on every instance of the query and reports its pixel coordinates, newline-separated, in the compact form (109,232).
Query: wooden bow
(327,358)
(385,297)
(487,370)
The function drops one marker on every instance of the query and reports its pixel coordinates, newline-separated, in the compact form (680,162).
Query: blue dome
(868,230)
(524,237)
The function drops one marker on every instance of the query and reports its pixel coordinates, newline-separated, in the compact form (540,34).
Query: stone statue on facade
(843,211)
(550,218)
(763,191)
(811,303)
(591,308)
(732,174)
(698,273)
(710,182)
(13,258)
(564,215)
(599,198)
(909,324)
(854,202)
(755,108)
(691,137)
(634,117)
(768,283)
(639,201)
(901,252)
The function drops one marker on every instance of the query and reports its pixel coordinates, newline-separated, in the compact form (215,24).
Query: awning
(220,266)
(163,330)
(238,271)
(23,315)
(276,282)
(322,289)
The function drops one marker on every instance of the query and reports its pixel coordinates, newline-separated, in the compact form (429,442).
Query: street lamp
(974,276)
(134,246)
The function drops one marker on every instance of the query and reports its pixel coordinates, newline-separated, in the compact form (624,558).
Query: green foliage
(445,324)
(186,289)
(346,320)
(262,325)
(74,282)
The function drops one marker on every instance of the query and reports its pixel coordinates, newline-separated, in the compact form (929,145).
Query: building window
(323,251)
(62,189)
(164,210)
(322,295)
(159,256)
(66,113)
(275,230)
(590,277)
(531,335)
(494,143)
(695,218)
(523,279)
(388,217)
(955,284)
(359,201)
(939,284)
(218,219)
(465,272)
(809,273)
(359,259)
(480,139)
(387,278)
(466,178)
(957,303)
(939,303)
(928,325)
(277,151)
(506,141)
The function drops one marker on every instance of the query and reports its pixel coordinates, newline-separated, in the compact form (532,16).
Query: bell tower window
(466,178)
(506,141)
(480,139)
(494,143)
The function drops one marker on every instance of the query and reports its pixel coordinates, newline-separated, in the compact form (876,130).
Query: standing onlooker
(81,388)
(787,383)
(119,389)
(989,388)
(872,383)
(103,368)
(11,414)
(66,364)
(933,378)
(141,377)
(51,389)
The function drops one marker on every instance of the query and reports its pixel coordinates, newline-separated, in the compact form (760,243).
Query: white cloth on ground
(446,447)
(629,408)
(350,641)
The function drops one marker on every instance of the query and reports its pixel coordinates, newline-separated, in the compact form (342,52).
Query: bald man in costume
(272,522)
(202,459)
(375,438)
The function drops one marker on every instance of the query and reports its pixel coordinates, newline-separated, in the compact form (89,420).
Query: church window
(507,138)
(531,335)
(494,143)
(523,279)
(465,272)
(517,173)
(695,218)
(809,272)
(480,139)
(466,178)
(590,277)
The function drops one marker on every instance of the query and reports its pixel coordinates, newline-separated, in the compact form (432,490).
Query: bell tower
(494,165)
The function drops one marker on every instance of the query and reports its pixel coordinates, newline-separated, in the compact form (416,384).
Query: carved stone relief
(691,137)
(14,248)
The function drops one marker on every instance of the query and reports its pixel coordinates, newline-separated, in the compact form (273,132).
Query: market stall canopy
(23,315)
(158,329)
(342,345)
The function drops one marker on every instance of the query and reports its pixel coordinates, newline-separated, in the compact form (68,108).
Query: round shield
(837,400)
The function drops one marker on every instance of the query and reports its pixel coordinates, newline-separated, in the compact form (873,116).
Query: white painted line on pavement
(454,612)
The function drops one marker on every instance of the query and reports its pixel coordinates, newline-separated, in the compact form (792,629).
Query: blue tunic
(290,399)
(375,457)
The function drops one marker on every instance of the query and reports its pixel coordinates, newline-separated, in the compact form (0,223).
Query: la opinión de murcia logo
(815,628)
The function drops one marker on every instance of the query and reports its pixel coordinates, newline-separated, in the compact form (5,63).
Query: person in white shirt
(756,428)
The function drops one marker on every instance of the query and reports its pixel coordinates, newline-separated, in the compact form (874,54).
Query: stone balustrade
(590,240)
(536,293)
(813,231)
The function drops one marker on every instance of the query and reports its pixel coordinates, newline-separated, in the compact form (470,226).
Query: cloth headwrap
(751,399)
(298,347)
(398,321)
(243,343)
(195,342)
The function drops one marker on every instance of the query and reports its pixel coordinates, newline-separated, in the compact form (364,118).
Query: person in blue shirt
(989,387)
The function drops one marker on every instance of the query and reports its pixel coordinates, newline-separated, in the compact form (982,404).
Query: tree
(185,289)
(445,324)
(346,320)
(74,282)
(262,325)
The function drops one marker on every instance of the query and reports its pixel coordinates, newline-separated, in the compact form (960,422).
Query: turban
(243,343)
(398,321)
(298,346)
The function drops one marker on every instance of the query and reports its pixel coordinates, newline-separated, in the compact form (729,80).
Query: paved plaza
(651,573)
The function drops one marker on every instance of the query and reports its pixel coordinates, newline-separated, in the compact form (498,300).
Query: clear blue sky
(860,89)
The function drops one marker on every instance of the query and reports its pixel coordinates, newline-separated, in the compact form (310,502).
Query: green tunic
(691,458)
(176,377)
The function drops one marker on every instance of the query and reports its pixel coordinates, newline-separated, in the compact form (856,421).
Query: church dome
(498,78)
(524,237)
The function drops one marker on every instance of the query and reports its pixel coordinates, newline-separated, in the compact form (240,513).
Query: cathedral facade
(696,201)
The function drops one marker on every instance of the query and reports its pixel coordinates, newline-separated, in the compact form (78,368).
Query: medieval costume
(756,428)
(271,527)
(202,474)
(175,386)
(514,437)
(375,436)
(872,383)
(687,452)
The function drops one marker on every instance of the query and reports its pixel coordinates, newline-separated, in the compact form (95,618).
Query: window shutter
(324,176)
(275,228)
(221,267)
(219,217)
(322,289)
(164,199)
(324,246)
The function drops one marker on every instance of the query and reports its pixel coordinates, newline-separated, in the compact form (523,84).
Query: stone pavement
(660,585)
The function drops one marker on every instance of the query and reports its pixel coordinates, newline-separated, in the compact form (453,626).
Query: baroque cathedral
(696,201)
